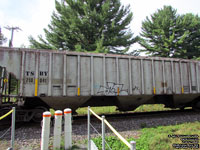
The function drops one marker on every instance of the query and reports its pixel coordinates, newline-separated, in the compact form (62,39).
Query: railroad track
(137,114)
(125,123)
(82,119)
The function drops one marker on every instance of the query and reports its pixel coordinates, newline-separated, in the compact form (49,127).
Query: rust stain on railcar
(164,84)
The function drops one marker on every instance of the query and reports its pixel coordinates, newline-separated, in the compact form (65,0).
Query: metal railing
(13,111)
(131,145)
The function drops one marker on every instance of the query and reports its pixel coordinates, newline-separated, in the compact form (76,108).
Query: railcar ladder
(2,83)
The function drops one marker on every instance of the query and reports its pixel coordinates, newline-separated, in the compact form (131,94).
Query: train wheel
(196,106)
(182,108)
(37,117)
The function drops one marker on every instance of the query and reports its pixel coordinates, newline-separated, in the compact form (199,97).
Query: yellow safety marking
(79,91)
(6,114)
(95,114)
(118,91)
(154,90)
(117,134)
(36,87)
(182,90)
(114,131)
(5,80)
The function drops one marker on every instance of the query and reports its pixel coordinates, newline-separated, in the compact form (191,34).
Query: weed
(154,138)
(143,125)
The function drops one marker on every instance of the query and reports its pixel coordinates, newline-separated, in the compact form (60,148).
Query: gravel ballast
(28,134)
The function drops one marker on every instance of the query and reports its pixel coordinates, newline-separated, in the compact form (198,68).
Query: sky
(32,16)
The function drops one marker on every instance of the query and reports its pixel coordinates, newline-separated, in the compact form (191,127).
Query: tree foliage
(88,25)
(3,39)
(168,34)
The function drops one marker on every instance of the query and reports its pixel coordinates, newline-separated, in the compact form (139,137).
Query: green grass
(98,110)
(75,144)
(112,109)
(155,138)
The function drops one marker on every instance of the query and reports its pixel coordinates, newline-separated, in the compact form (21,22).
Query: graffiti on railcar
(112,88)
(136,88)
(169,90)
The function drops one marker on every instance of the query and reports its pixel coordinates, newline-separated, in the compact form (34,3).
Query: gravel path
(28,135)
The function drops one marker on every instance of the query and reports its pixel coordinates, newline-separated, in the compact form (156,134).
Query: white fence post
(89,142)
(68,128)
(133,145)
(103,133)
(13,129)
(57,129)
(45,130)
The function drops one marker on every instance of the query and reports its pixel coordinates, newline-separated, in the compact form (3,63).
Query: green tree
(168,34)
(191,30)
(3,39)
(88,25)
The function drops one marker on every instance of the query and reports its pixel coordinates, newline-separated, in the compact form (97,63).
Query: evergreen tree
(191,30)
(88,25)
(168,34)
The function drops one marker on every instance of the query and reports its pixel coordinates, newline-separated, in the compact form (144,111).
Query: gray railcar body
(63,79)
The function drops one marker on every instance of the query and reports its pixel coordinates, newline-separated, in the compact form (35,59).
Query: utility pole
(12,29)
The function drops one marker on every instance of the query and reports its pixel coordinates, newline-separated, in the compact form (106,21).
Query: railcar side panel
(148,84)
(11,60)
(85,76)
(136,77)
(197,76)
(193,77)
(177,78)
(72,75)
(159,84)
(111,75)
(30,74)
(57,75)
(70,78)
(123,81)
(168,77)
(43,76)
(98,73)
(186,78)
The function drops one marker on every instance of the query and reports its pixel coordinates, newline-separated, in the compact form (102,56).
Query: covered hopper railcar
(59,79)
